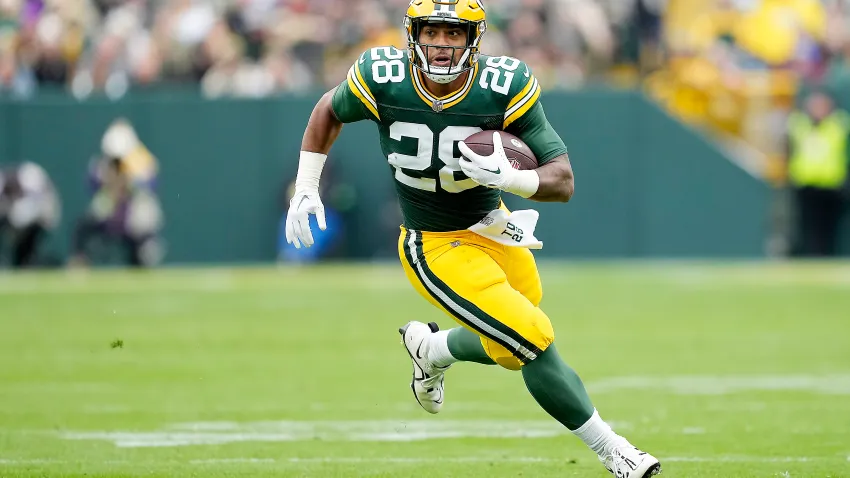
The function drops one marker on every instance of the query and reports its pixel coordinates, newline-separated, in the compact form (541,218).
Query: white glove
(303,204)
(306,200)
(495,171)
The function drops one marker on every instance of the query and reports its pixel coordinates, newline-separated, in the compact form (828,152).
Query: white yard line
(218,433)
(836,384)
(401,430)
(745,459)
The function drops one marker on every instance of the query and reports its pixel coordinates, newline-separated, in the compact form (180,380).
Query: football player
(425,101)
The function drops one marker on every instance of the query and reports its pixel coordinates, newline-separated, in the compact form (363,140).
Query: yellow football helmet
(469,13)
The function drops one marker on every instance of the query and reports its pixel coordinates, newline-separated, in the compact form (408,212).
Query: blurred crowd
(700,57)
(741,66)
(253,48)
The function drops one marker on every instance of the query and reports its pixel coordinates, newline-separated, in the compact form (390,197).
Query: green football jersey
(419,132)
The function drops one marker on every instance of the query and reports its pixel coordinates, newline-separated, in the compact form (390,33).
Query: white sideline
(744,459)
(834,384)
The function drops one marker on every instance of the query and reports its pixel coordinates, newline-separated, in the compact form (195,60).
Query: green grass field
(719,370)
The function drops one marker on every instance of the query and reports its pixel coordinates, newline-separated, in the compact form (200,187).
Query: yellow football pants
(491,289)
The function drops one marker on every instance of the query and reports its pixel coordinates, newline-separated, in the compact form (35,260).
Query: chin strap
(442,79)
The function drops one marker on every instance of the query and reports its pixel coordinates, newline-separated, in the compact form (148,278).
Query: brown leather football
(517,151)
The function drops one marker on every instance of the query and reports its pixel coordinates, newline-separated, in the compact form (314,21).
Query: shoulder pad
(374,71)
(512,79)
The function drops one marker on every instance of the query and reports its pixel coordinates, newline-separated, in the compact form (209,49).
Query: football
(517,151)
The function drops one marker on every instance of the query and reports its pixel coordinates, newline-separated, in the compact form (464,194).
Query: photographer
(29,208)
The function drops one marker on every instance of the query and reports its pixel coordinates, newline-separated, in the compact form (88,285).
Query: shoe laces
(616,458)
(434,377)
(620,450)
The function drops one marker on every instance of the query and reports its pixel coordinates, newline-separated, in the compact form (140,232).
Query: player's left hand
(493,171)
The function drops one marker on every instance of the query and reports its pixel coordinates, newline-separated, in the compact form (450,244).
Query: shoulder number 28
(492,74)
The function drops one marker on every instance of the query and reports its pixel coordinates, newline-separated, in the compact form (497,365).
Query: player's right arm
(349,102)
(323,127)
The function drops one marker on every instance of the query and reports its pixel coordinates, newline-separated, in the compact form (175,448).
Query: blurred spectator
(29,209)
(121,142)
(818,158)
(124,208)
(15,81)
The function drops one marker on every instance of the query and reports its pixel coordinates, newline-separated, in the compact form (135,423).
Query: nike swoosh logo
(419,351)
(497,171)
(302,202)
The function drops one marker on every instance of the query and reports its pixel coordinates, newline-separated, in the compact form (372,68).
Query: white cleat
(427,383)
(626,461)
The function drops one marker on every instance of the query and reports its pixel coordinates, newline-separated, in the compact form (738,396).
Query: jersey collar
(440,103)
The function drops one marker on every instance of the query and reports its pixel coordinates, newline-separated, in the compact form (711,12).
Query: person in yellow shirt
(120,141)
(817,147)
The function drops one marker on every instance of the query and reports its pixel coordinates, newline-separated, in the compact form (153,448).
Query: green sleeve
(534,129)
(346,106)
(354,99)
